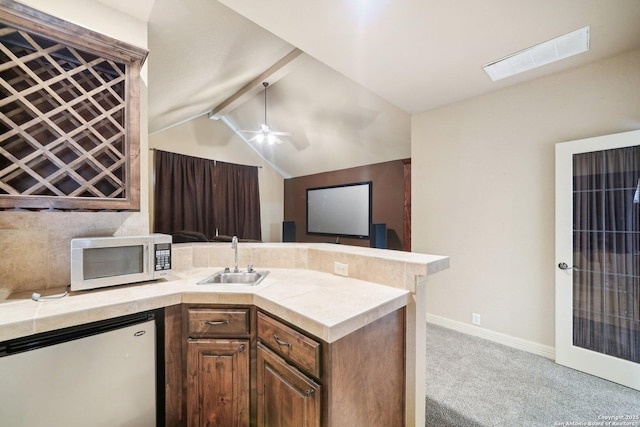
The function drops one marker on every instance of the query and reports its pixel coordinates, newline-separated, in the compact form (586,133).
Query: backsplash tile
(302,258)
(23,259)
(320,260)
(181,257)
(383,271)
(35,251)
(35,246)
(273,257)
(221,255)
(201,257)
(59,257)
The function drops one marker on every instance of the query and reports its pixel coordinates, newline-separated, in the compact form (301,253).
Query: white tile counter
(325,305)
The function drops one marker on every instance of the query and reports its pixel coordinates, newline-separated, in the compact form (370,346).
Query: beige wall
(34,246)
(211,139)
(483,190)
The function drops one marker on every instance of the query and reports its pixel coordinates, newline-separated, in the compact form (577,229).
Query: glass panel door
(606,243)
(598,256)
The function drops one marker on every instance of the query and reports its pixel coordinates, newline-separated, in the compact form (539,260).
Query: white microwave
(97,262)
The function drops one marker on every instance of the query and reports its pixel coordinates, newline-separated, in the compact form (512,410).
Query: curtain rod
(155,149)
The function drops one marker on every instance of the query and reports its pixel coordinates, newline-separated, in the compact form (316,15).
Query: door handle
(564,266)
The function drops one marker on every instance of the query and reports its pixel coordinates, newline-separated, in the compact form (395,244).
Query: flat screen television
(340,210)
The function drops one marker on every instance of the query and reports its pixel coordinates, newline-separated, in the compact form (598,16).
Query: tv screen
(341,210)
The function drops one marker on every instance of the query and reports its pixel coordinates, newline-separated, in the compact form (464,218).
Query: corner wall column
(416,357)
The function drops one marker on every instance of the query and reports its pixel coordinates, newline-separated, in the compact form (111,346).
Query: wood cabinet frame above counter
(69,115)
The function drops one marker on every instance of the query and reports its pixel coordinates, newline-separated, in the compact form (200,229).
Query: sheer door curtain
(606,283)
(205,196)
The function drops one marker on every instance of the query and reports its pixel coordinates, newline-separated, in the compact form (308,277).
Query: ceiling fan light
(265,133)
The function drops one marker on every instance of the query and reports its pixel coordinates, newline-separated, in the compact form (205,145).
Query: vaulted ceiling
(367,64)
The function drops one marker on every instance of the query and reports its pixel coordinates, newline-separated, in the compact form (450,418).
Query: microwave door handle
(149,264)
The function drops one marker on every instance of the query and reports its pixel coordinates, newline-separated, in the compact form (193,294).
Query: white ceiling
(423,54)
(140,9)
(370,64)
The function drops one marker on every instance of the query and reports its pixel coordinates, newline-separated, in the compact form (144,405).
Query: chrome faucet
(234,246)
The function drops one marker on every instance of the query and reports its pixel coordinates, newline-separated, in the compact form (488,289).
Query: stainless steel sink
(248,278)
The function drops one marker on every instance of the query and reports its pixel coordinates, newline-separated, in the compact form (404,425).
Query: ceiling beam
(271,75)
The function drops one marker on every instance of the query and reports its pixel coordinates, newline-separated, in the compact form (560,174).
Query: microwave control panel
(163,256)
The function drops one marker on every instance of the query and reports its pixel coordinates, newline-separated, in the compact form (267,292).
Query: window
(206,197)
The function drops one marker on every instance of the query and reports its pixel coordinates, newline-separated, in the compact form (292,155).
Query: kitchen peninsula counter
(300,288)
(327,306)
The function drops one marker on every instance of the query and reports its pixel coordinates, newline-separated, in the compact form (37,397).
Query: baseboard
(498,337)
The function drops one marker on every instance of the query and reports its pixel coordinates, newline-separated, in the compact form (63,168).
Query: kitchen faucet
(234,246)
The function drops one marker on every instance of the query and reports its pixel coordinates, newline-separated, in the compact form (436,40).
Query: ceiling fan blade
(276,139)
(250,131)
(282,133)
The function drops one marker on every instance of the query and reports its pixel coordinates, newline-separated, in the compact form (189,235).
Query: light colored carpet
(474,382)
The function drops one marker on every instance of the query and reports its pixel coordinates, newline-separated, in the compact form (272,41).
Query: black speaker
(378,236)
(288,231)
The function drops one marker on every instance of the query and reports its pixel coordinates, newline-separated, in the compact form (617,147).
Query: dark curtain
(205,196)
(184,194)
(606,221)
(238,209)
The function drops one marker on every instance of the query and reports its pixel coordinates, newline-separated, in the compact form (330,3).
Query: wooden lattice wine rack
(69,115)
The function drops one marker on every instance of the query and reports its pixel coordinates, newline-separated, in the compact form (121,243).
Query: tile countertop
(398,269)
(325,305)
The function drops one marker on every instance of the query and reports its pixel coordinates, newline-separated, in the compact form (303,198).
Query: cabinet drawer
(218,321)
(279,382)
(296,348)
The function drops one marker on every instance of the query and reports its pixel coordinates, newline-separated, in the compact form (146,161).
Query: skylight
(541,54)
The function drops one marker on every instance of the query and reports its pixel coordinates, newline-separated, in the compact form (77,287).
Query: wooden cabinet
(218,382)
(364,377)
(240,367)
(298,348)
(217,322)
(218,364)
(286,397)
(69,115)
(357,380)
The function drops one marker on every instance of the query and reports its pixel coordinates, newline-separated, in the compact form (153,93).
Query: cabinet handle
(217,322)
(280,342)
(241,348)
(310,392)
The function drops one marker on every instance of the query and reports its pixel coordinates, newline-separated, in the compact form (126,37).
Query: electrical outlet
(475,319)
(341,269)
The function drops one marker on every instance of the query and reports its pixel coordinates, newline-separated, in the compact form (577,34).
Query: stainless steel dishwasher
(99,374)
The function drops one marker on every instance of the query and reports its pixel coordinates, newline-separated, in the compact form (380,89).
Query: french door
(598,256)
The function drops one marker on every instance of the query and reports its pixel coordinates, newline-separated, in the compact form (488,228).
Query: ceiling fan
(265,133)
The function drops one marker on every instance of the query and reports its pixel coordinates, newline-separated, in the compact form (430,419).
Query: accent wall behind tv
(387,200)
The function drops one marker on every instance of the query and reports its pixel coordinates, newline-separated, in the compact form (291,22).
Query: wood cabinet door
(286,397)
(218,383)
